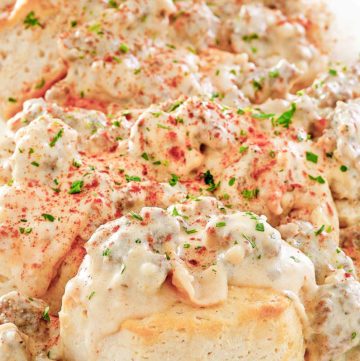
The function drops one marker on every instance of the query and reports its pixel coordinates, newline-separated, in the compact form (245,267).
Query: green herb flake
(273,74)
(220,224)
(320,230)
(145,156)
(48,217)
(76,187)
(250,37)
(353,335)
(12,100)
(344,168)
(113,4)
(318,179)
(136,216)
(31,20)
(35,164)
(262,115)
(175,106)
(190,231)
(107,252)
(57,136)
(40,84)
(243,149)
(250,193)
(208,178)
(25,230)
(45,315)
(311,157)
(163,126)
(295,259)
(132,178)
(186,245)
(257,84)
(76,163)
(285,118)
(173,180)
(232,181)
(260,227)
(124,48)
(91,295)
(333,72)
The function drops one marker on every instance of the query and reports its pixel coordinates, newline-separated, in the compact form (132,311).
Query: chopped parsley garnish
(138,241)
(31,20)
(76,163)
(48,217)
(273,74)
(343,168)
(333,72)
(232,181)
(272,154)
(35,164)
(107,252)
(311,157)
(136,216)
(163,126)
(133,178)
(25,230)
(286,117)
(145,156)
(320,230)
(186,245)
(251,241)
(295,259)
(190,231)
(213,187)
(220,224)
(73,23)
(250,193)
(260,227)
(57,136)
(113,4)
(40,84)
(91,295)
(173,180)
(250,37)
(353,335)
(116,123)
(262,115)
(175,106)
(76,187)
(124,48)
(329,154)
(240,111)
(208,178)
(318,179)
(12,100)
(257,84)
(45,315)
(96,28)
(243,148)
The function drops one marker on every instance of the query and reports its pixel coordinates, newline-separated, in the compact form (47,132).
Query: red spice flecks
(135,189)
(329,208)
(257,172)
(176,153)
(90,104)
